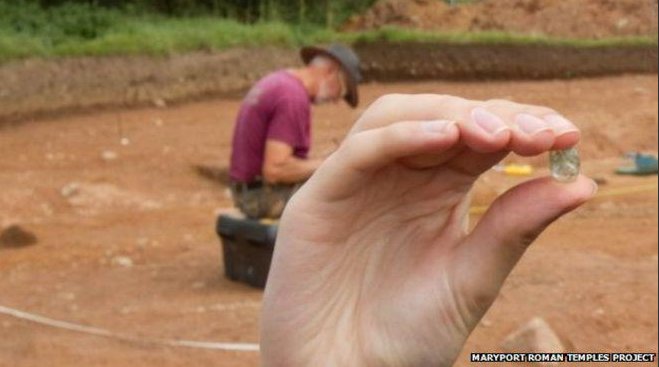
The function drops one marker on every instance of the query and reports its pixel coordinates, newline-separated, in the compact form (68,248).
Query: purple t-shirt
(277,107)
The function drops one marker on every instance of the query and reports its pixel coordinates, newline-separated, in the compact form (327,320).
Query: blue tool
(643,164)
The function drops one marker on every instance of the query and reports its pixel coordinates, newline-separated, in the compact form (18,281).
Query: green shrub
(70,20)
(81,20)
(114,27)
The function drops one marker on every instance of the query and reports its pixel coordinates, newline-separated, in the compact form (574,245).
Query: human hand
(374,265)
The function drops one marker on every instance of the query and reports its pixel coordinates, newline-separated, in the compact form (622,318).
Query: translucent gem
(564,164)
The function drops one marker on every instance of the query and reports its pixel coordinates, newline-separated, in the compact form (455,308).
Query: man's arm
(281,166)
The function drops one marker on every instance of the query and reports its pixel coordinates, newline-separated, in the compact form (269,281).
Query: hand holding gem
(375,262)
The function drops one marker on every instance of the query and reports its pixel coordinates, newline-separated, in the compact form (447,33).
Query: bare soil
(559,18)
(388,61)
(38,88)
(125,231)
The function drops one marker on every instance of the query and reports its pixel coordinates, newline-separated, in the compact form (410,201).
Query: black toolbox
(247,246)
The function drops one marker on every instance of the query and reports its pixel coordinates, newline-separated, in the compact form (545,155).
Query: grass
(153,37)
(157,35)
(167,36)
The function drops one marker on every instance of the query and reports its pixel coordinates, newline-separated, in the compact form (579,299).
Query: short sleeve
(289,122)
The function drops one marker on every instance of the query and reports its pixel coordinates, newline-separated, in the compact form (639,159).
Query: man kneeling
(272,136)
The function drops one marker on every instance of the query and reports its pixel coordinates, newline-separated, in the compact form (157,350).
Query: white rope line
(249,347)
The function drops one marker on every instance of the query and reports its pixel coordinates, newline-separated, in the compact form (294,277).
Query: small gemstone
(564,164)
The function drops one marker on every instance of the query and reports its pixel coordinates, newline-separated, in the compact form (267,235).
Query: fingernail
(437,126)
(560,124)
(488,121)
(530,124)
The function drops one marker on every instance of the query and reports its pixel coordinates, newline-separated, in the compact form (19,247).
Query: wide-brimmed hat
(348,60)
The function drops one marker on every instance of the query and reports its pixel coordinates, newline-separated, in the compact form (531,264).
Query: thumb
(489,253)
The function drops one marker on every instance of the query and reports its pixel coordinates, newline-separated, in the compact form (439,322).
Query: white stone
(159,102)
(599,312)
(124,261)
(70,189)
(68,296)
(109,155)
(536,336)
(622,23)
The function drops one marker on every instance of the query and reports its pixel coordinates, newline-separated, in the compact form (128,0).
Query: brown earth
(126,235)
(33,88)
(558,18)
(37,88)
(405,61)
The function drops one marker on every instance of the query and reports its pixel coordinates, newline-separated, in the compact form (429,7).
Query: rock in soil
(15,236)
(536,336)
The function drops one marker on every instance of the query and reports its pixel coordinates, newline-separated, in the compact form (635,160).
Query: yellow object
(517,169)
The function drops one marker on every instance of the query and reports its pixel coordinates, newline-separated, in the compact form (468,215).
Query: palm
(396,235)
(374,261)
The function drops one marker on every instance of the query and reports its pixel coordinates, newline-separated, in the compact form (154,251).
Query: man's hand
(373,264)
(280,165)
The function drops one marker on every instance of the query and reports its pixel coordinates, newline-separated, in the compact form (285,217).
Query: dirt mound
(41,86)
(31,88)
(389,61)
(15,236)
(558,18)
